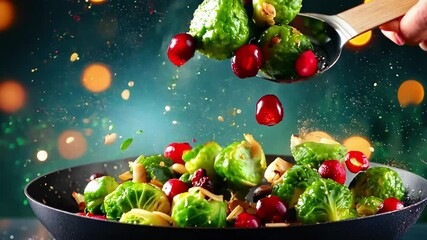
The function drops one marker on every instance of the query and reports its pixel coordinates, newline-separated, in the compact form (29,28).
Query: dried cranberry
(271,209)
(306,64)
(269,110)
(246,61)
(356,161)
(390,204)
(334,170)
(173,187)
(200,179)
(175,150)
(247,220)
(181,48)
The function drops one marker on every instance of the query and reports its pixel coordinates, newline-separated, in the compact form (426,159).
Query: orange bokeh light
(96,77)
(72,144)
(12,96)
(361,39)
(97,1)
(358,143)
(411,92)
(7,14)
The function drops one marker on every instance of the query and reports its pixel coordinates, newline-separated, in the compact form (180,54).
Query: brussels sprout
(191,209)
(368,206)
(95,192)
(281,46)
(241,164)
(220,27)
(186,177)
(293,184)
(144,217)
(381,182)
(202,156)
(314,154)
(135,195)
(271,12)
(325,201)
(157,167)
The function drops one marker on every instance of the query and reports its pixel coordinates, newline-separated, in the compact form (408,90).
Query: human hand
(410,29)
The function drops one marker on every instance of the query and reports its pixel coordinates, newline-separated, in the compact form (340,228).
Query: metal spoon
(329,33)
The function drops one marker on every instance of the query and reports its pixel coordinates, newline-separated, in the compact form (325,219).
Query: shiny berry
(181,48)
(356,161)
(334,170)
(271,209)
(175,150)
(390,204)
(306,64)
(247,220)
(95,176)
(269,110)
(173,187)
(201,179)
(246,61)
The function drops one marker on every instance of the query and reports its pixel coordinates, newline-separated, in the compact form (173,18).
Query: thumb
(413,26)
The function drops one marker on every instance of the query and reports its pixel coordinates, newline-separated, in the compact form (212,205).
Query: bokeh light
(361,40)
(72,144)
(42,155)
(12,96)
(410,92)
(7,14)
(96,77)
(97,1)
(358,143)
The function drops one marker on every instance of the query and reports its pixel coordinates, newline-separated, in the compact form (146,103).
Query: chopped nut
(179,168)
(276,169)
(139,174)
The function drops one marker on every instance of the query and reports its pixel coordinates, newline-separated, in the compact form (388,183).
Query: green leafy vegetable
(157,167)
(325,201)
(202,156)
(126,144)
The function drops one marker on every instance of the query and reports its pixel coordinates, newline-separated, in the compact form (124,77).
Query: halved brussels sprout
(131,195)
(95,192)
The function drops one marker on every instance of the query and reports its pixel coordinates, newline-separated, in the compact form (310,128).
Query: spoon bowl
(329,33)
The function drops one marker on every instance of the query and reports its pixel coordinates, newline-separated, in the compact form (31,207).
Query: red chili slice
(356,161)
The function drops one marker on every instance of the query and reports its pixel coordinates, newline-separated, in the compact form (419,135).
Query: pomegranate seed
(390,204)
(334,170)
(246,61)
(173,187)
(271,209)
(356,161)
(247,220)
(175,150)
(306,64)
(201,179)
(181,48)
(269,110)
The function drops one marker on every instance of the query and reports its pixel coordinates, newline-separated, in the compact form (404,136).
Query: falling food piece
(110,138)
(125,145)
(74,57)
(221,118)
(126,94)
(131,83)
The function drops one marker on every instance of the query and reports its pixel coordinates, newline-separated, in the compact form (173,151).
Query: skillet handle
(374,13)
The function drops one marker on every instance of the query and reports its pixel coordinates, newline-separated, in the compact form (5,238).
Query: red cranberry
(271,209)
(247,220)
(390,204)
(95,176)
(201,179)
(306,64)
(181,48)
(334,170)
(175,150)
(269,110)
(173,187)
(246,61)
(356,161)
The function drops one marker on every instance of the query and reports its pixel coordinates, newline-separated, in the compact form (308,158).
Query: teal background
(358,96)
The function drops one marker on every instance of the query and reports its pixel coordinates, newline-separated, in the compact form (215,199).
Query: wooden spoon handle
(372,14)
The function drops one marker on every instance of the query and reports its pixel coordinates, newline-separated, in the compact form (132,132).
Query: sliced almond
(276,169)
(139,175)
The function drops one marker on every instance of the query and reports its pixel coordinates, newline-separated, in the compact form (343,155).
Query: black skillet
(50,198)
